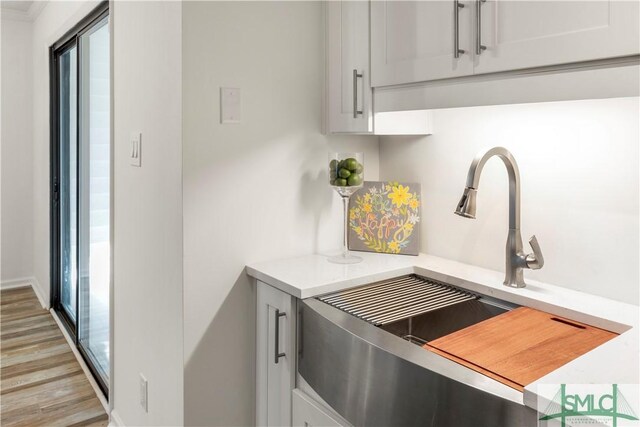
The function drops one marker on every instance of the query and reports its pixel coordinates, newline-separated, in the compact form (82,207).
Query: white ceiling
(19,5)
(22,10)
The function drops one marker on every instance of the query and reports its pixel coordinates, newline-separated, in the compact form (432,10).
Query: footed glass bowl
(346,175)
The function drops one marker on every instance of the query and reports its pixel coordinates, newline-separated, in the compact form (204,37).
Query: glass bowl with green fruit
(346,172)
(346,176)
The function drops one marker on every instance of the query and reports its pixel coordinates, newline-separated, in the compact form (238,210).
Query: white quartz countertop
(616,361)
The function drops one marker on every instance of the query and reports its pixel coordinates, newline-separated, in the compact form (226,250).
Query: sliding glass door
(68,114)
(80,165)
(94,254)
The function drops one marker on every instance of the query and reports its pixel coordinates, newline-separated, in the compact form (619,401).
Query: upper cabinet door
(414,41)
(525,34)
(349,89)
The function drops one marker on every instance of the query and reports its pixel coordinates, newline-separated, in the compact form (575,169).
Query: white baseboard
(81,361)
(21,282)
(115,420)
(37,289)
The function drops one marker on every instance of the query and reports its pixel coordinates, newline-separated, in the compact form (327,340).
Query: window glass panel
(68,80)
(95,198)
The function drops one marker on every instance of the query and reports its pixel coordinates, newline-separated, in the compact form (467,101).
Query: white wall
(252,191)
(147,97)
(16,151)
(54,21)
(579,171)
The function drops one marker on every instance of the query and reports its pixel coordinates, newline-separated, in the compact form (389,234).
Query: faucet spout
(516,259)
(475,170)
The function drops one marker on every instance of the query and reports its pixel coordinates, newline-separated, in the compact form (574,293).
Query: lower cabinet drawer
(306,412)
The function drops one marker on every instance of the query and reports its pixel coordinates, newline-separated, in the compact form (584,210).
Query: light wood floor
(41,382)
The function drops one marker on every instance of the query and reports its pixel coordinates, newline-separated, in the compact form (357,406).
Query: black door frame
(56,183)
(66,42)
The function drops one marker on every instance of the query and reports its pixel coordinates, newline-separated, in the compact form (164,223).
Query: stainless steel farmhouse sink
(440,322)
(360,350)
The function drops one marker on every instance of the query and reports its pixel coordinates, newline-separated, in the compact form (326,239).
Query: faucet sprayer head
(467,204)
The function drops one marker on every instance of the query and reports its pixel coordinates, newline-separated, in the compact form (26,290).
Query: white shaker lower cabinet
(416,41)
(527,34)
(309,413)
(275,356)
(349,95)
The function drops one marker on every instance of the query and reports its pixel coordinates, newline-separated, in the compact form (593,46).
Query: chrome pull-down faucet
(516,259)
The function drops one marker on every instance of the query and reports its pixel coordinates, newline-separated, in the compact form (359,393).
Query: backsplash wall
(579,168)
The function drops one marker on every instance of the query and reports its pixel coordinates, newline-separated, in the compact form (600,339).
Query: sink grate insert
(397,299)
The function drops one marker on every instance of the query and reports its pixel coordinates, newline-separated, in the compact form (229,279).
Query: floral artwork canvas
(384,217)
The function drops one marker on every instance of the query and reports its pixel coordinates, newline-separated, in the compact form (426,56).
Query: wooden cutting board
(520,346)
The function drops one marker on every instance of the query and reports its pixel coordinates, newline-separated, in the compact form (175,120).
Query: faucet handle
(535,260)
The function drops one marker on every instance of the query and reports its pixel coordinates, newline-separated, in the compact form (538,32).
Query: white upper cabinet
(526,34)
(349,96)
(413,41)
(417,41)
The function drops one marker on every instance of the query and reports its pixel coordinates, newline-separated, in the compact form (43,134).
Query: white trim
(546,84)
(37,289)
(21,282)
(80,360)
(15,15)
(115,420)
(29,16)
(112,313)
(36,8)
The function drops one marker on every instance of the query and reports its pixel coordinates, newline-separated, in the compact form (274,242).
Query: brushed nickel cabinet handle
(479,46)
(456,29)
(278,354)
(356,76)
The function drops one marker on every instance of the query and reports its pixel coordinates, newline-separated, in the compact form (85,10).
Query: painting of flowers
(384,217)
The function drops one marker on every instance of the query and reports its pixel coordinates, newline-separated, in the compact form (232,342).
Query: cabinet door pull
(356,76)
(277,354)
(456,29)
(299,328)
(479,46)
